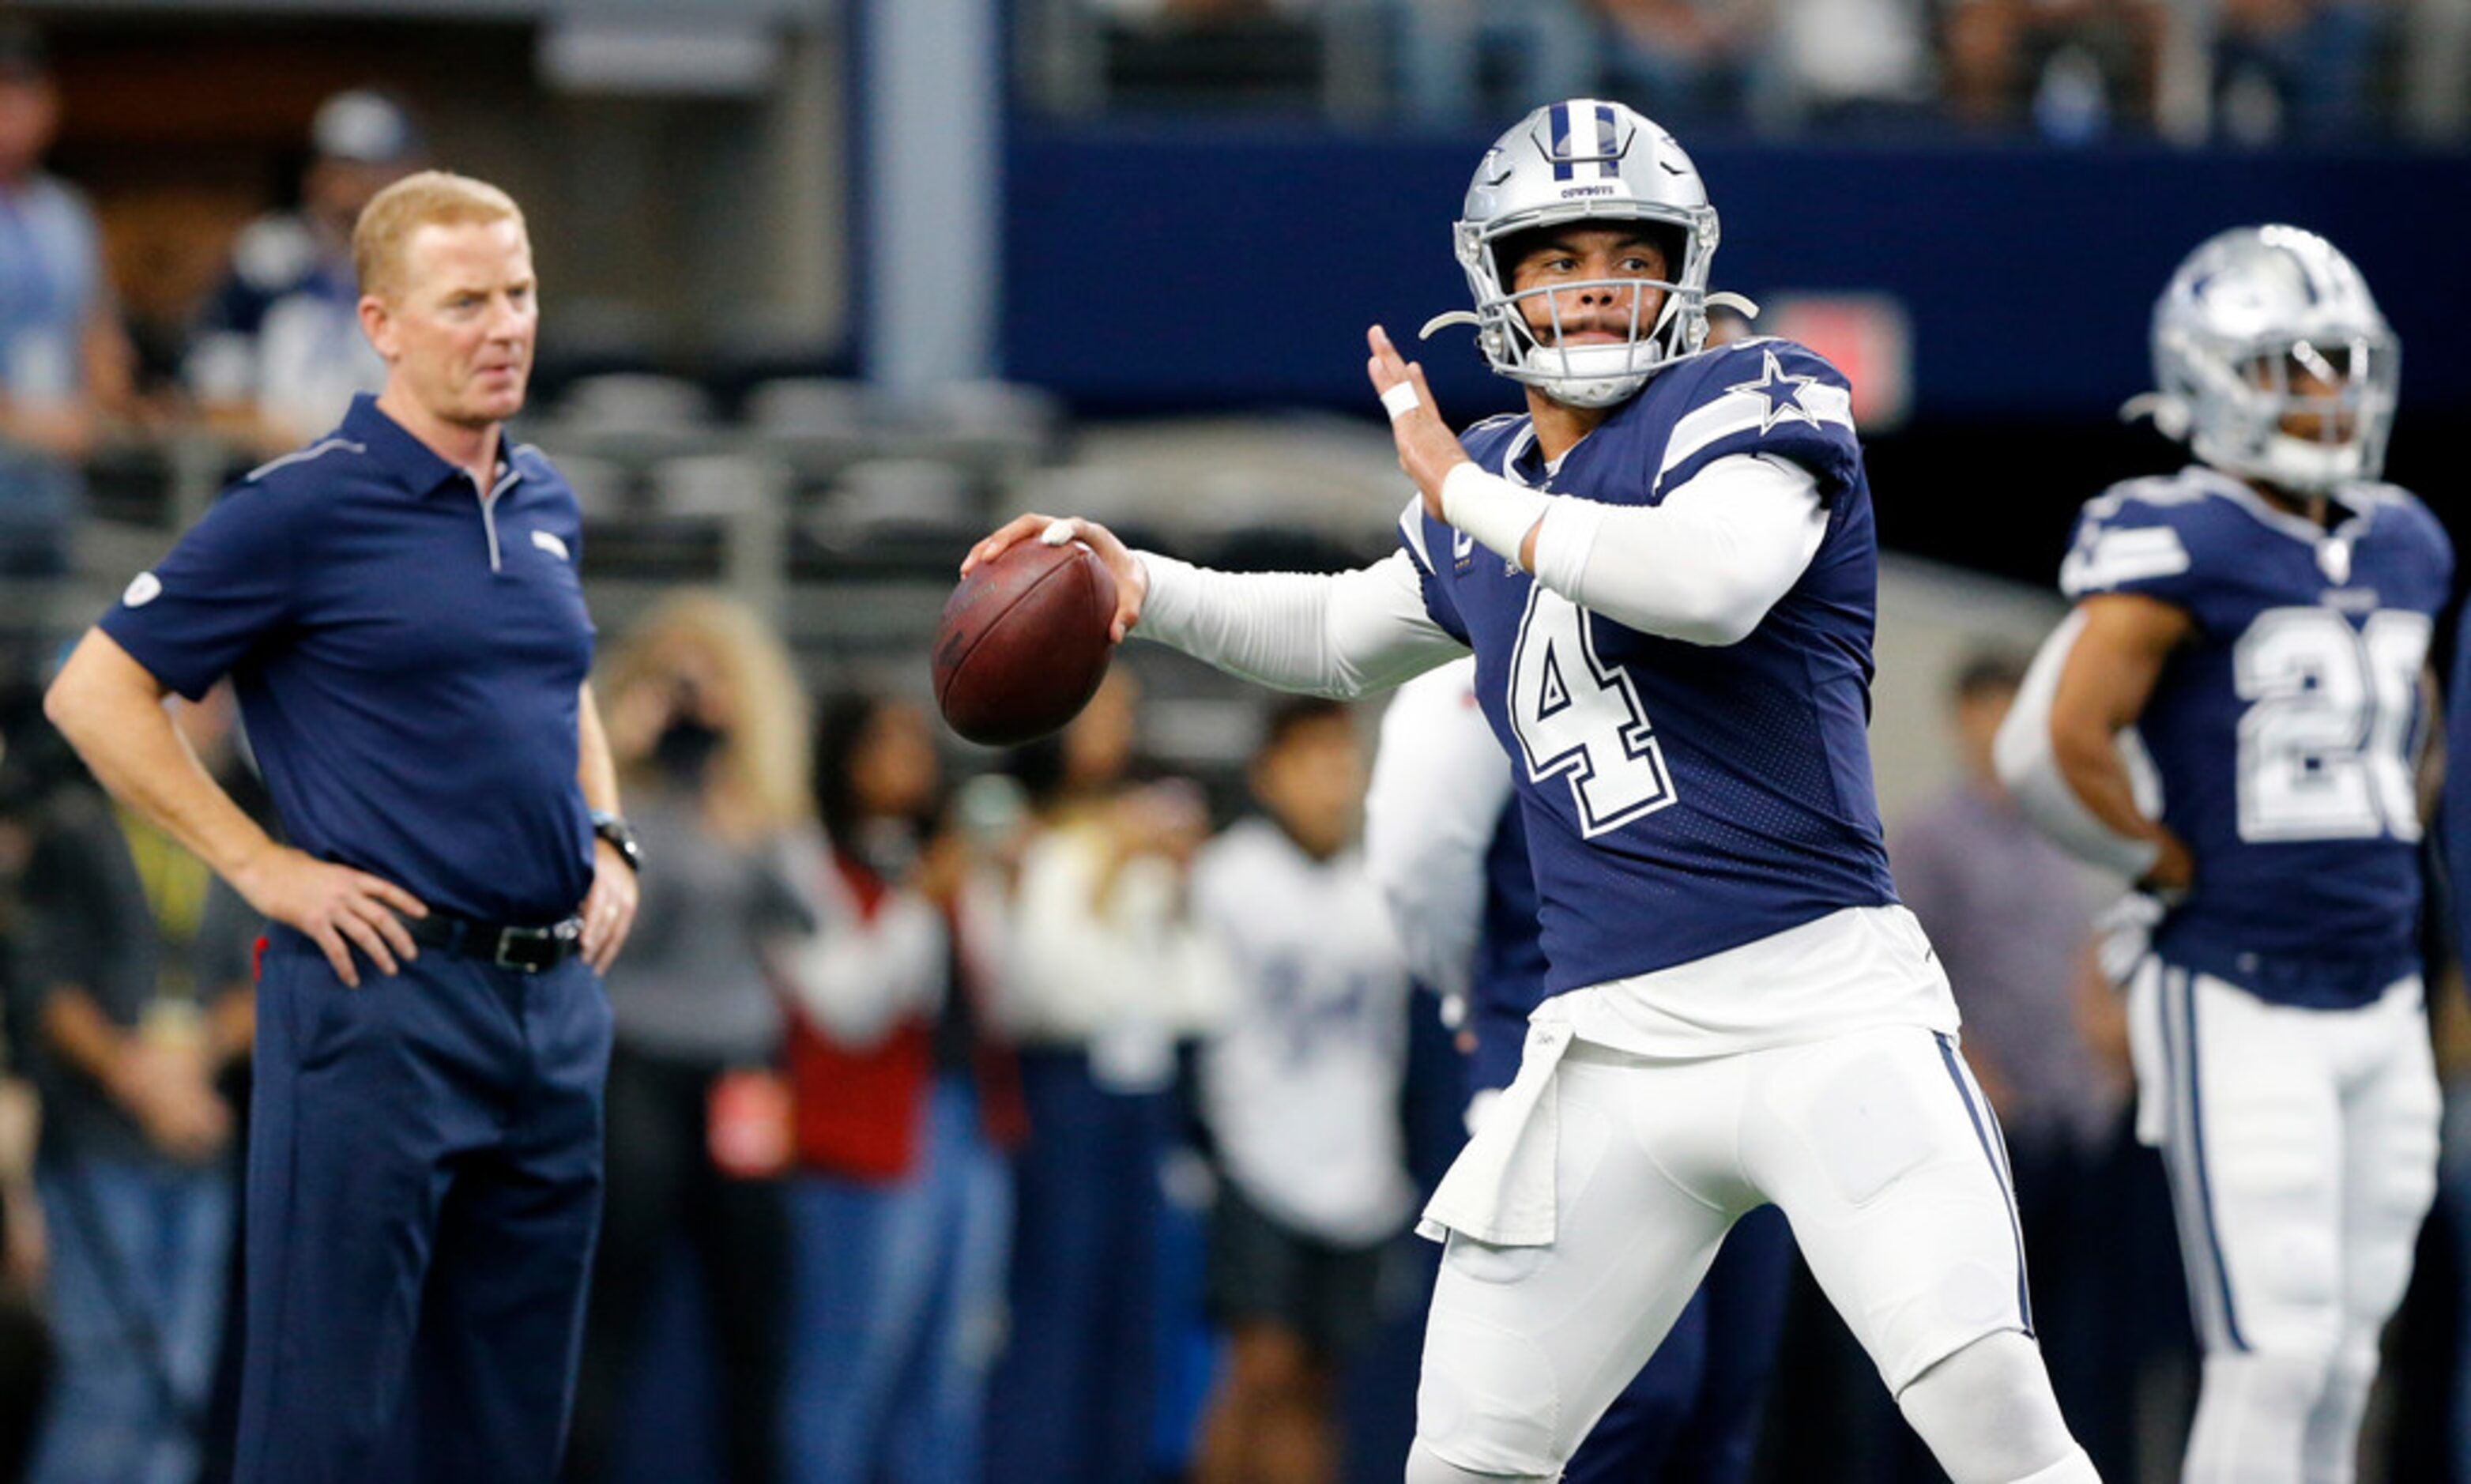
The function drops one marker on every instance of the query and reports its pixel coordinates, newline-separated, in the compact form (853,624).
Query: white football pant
(2302,1151)
(1883,1155)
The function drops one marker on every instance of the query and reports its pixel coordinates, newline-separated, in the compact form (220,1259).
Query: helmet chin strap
(1594,391)
(1587,396)
(2171,416)
(2314,468)
(1573,390)
(2295,465)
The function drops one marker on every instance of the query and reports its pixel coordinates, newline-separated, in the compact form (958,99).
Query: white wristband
(1490,509)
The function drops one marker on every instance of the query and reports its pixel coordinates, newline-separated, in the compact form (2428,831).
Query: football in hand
(1023,643)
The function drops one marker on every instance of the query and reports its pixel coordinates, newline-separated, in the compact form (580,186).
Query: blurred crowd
(1038,1117)
(2249,72)
(268,357)
(107,347)
(262,348)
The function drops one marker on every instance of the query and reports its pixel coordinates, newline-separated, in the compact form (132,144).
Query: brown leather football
(1023,643)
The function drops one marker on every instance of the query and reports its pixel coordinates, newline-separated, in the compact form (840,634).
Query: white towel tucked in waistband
(1500,1187)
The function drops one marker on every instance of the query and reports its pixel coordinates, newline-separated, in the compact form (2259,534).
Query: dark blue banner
(1184,268)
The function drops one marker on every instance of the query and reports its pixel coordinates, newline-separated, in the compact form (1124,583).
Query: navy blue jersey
(2456,837)
(1507,982)
(2284,732)
(1681,799)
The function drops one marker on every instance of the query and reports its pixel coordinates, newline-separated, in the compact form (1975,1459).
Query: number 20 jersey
(2284,731)
(1681,799)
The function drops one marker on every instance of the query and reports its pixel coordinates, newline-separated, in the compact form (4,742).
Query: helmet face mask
(2275,363)
(1593,375)
(1593,163)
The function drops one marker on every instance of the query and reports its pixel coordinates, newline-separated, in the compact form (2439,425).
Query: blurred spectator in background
(25,1340)
(280,351)
(1840,65)
(1544,49)
(707,723)
(2436,69)
(909,1102)
(1108,973)
(64,361)
(2045,1034)
(25,1343)
(1682,61)
(1197,12)
(2295,69)
(2251,72)
(1301,1092)
(2072,67)
(135,988)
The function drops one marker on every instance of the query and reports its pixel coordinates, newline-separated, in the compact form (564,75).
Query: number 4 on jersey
(1576,715)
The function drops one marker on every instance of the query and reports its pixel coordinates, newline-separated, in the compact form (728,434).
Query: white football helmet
(2250,311)
(1586,160)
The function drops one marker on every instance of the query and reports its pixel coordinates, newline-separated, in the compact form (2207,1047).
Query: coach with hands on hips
(399,608)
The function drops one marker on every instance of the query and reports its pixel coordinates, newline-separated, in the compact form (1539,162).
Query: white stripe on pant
(2302,1150)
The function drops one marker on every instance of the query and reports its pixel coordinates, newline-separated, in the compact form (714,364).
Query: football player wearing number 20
(1668,571)
(2262,619)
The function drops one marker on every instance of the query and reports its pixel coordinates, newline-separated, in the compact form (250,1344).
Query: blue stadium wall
(1191,267)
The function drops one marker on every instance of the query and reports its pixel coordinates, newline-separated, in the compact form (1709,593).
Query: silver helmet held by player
(1585,160)
(2272,360)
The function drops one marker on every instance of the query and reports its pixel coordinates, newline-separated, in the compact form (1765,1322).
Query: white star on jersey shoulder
(1780,392)
(143,589)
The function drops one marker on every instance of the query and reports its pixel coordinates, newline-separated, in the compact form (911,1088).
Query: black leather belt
(525,949)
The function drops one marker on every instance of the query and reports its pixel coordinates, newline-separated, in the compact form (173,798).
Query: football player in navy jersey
(1667,570)
(1444,840)
(2262,620)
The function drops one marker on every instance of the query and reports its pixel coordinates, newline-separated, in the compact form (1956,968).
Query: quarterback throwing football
(1667,570)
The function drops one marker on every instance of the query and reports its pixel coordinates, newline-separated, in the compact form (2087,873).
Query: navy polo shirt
(406,648)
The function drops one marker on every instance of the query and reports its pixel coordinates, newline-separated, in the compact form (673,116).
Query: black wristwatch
(621,835)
